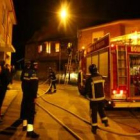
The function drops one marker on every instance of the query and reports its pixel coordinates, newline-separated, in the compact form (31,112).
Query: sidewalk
(12,93)
(9,97)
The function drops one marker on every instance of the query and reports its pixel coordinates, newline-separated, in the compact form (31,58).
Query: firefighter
(69,48)
(24,85)
(52,79)
(95,92)
(30,87)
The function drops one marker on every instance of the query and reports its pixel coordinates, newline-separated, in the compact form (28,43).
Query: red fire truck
(118,60)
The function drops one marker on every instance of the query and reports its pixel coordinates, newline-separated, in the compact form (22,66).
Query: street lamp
(63,14)
(63,17)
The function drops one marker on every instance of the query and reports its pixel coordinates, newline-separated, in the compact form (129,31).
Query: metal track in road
(88,123)
(60,122)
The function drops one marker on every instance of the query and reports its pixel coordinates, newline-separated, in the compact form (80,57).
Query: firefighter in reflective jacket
(52,79)
(29,86)
(25,87)
(95,91)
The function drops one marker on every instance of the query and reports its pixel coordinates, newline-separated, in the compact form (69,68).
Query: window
(48,47)
(39,48)
(57,47)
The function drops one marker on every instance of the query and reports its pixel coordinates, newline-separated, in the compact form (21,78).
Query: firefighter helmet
(92,68)
(34,65)
(27,64)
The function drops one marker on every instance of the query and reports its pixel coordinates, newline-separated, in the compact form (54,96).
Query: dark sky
(33,14)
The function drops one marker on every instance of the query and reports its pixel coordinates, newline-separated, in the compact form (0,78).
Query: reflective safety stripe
(34,78)
(97,99)
(30,127)
(25,78)
(105,118)
(24,122)
(94,124)
(98,81)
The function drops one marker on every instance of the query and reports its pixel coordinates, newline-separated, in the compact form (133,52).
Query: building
(49,48)
(7,20)
(88,36)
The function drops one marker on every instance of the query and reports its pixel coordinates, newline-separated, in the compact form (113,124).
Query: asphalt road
(52,122)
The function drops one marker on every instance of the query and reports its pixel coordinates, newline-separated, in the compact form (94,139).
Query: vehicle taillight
(118,92)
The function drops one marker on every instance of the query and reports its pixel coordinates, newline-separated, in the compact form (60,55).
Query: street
(64,115)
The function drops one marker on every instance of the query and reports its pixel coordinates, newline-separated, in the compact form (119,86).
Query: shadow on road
(11,129)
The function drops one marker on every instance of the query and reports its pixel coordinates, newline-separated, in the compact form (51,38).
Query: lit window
(39,48)
(48,47)
(57,47)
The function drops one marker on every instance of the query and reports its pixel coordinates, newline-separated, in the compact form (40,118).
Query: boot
(49,92)
(105,123)
(94,129)
(32,134)
(24,128)
(54,91)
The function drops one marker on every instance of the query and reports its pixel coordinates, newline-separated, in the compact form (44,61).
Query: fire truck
(118,61)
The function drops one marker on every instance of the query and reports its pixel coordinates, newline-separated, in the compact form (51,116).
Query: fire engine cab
(118,61)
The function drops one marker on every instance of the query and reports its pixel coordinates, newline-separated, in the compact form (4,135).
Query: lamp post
(63,16)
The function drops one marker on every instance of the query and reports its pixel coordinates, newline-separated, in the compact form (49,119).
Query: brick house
(50,50)
(7,20)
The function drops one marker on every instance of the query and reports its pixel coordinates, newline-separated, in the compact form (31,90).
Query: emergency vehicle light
(112,45)
(118,92)
(132,38)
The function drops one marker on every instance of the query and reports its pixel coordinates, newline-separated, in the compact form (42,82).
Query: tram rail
(110,130)
(73,133)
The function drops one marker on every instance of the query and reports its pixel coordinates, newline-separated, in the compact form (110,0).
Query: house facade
(51,53)
(7,20)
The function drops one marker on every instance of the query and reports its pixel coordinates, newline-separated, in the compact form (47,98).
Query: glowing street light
(64,13)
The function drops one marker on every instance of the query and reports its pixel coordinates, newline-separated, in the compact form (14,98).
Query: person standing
(94,89)
(4,81)
(52,79)
(8,71)
(30,87)
(25,89)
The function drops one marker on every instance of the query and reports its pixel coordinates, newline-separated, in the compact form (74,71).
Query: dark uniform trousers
(29,88)
(97,106)
(53,83)
(27,104)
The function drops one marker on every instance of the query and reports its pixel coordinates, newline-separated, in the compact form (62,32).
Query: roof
(126,22)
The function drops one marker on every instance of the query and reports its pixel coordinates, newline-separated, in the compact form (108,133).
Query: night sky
(33,14)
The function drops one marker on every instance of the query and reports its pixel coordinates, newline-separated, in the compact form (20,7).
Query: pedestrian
(94,89)
(4,81)
(12,73)
(52,78)
(8,69)
(29,86)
